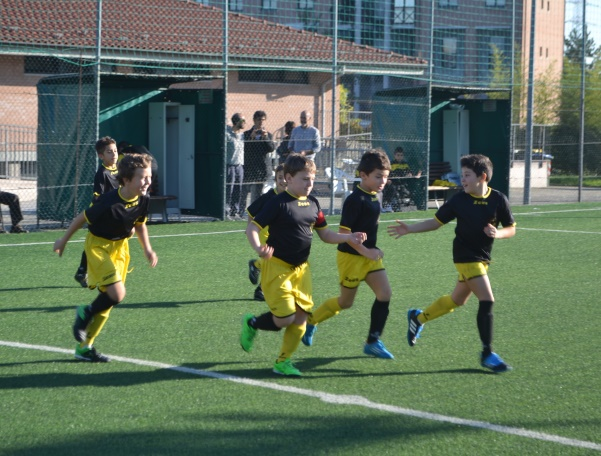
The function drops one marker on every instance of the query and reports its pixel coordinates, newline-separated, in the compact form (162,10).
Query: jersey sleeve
(505,216)
(446,212)
(320,222)
(350,211)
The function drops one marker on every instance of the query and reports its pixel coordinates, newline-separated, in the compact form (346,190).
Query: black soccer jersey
(291,221)
(258,204)
(112,217)
(361,213)
(105,180)
(473,213)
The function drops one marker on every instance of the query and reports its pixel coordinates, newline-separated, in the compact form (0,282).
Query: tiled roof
(179,30)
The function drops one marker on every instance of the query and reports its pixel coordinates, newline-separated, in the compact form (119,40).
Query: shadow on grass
(141,305)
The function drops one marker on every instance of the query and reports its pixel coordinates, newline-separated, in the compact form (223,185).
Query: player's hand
(265,252)
(357,238)
(375,254)
(59,246)
(152,257)
(398,230)
(490,231)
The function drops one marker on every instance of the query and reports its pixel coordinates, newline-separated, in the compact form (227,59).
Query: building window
(495,3)
(404,12)
(449,52)
(270,4)
(494,47)
(346,12)
(306,4)
(236,5)
(448,3)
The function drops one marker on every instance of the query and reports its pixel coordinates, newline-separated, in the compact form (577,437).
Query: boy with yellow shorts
(111,220)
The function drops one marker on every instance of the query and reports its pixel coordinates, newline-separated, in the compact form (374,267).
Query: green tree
(573,47)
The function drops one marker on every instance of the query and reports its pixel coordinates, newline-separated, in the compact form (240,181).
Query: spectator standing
(235,165)
(305,138)
(258,142)
(284,148)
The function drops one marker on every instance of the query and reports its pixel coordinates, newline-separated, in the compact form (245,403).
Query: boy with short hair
(479,210)
(254,265)
(105,180)
(363,262)
(111,220)
(285,275)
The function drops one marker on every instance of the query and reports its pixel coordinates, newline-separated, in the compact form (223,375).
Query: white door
(186,157)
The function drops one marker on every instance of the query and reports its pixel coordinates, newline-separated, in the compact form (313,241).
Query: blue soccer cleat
(378,350)
(494,363)
(308,336)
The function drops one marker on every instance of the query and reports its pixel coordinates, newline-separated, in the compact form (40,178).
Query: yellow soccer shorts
(107,261)
(352,269)
(469,271)
(286,286)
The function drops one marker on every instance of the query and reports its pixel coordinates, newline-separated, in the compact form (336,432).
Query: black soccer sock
(101,303)
(485,321)
(264,322)
(379,315)
(83,264)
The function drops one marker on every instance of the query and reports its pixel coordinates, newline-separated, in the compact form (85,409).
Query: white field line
(338,399)
(25,244)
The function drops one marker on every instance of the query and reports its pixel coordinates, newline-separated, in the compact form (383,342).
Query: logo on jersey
(304,203)
(132,204)
(481,202)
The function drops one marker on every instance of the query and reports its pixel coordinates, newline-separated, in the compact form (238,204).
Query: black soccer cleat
(253,272)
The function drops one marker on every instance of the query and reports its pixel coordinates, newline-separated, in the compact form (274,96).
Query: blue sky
(593,17)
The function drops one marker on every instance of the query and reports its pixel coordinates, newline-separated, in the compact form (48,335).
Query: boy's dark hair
(289,126)
(122,145)
(279,168)
(399,150)
(258,114)
(296,163)
(129,163)
(103,143)
(479,164)
(374,159)
(237,117)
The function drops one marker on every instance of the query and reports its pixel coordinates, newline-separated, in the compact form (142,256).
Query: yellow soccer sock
(438,308)
(328,309)
(95,327)
(292,337)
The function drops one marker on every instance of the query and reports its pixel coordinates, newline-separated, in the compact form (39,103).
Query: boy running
(285,275)
(478,210)
(254,265)
(363,262)
(104,180)
(112,218)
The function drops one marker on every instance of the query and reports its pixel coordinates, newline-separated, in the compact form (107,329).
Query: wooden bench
(158,205)
(436,171)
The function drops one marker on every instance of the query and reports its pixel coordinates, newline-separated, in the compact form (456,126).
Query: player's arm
(142,234)
(252,234)
(374,254)
(496,233)
(331,237)
(76,224)
(401,228)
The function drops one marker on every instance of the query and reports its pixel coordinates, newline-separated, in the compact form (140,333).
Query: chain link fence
(436,78)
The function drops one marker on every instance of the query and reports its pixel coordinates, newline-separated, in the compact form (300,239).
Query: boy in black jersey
(285,274)
(478,210)
(357,263)
(104,180)
(111,219)
(254,265)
